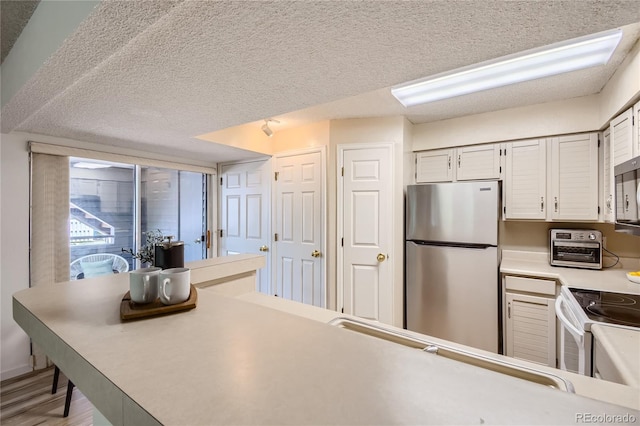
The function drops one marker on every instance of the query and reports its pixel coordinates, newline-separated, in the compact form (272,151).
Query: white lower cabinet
(529,319)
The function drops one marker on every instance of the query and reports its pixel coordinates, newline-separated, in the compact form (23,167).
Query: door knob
(316,253)
(381,257)
(264,248)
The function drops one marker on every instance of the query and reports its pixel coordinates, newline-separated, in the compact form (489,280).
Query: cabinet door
(478,162)
(531,329)
(574,177)
(525,179)
(608,185)
(622,137)
(434,166)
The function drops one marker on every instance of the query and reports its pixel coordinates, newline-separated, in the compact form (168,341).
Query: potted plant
(146,253)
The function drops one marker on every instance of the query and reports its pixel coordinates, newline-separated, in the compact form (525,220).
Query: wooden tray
(130,310)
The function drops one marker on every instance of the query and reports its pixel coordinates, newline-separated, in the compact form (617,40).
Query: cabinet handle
(555,200)
(541,204)
(626,202)
(449,162)
(509,310)
(458,160)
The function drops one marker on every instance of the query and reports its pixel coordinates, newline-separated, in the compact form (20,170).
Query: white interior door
(299,225)
(245,214)
(365,203)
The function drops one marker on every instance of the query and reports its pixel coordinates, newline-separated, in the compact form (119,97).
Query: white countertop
(623,349)
(537,264)
(233,361)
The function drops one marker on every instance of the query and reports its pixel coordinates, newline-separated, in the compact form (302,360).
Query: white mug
(143,284)
(175,285)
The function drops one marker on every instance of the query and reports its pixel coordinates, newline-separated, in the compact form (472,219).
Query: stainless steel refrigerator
(452,259)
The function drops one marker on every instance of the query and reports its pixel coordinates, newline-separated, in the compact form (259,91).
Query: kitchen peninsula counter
(231,361)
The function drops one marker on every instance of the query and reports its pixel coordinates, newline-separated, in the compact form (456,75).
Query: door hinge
(509,310)
(275,237)
(276,175)
(220,180)
(598,209)
(342,172)
(221,233)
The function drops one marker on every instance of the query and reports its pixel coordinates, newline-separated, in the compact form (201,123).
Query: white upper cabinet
(475,162)
(608,186)
(622,139)
(574,178)
(525,179)
(434,166)
(478,162)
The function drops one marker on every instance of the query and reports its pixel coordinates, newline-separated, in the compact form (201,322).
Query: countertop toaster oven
(576,248)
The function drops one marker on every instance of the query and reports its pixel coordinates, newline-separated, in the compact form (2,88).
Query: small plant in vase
(146,253)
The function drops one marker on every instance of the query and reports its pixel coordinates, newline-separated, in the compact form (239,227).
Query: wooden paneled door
(299,255)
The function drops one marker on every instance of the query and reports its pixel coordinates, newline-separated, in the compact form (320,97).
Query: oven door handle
(578,334)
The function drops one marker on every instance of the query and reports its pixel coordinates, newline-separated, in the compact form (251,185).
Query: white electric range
(577,309)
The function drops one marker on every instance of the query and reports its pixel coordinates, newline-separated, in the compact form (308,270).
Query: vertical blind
(49,239)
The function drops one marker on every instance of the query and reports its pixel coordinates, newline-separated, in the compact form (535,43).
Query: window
(112,205)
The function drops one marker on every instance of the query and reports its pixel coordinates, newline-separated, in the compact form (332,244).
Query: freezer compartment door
(461,212)
(452,293)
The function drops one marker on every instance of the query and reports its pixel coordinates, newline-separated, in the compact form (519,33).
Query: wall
(379,130)
(623,87)
(534,236)
(14,228)
(553,118)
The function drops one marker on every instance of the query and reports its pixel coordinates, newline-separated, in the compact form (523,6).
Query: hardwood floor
(27,401)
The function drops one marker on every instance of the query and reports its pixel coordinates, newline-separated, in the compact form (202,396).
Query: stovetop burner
(608,307)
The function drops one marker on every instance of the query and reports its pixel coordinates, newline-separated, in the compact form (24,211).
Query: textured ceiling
(14,16)
(159,73)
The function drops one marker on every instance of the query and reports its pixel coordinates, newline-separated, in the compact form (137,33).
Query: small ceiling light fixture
(557,58)
(265,127)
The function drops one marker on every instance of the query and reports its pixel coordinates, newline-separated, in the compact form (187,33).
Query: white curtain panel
(49,261)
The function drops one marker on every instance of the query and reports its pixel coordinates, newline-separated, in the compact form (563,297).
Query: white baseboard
(8,374)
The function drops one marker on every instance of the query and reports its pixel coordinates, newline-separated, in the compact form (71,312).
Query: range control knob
(592,236)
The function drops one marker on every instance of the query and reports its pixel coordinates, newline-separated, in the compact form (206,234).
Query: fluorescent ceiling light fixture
(558,58)
(88,165)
